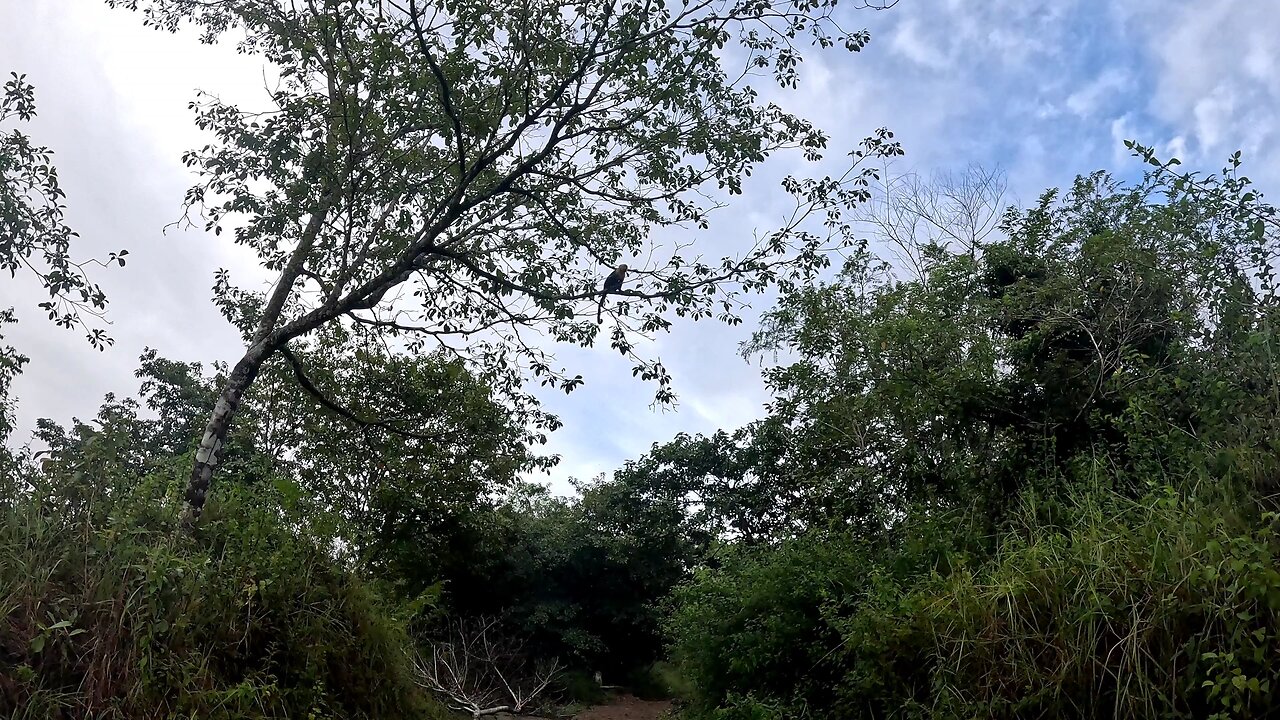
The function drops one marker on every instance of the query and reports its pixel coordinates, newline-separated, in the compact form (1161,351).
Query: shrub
(1099,607)
(109,613)
(758,623)
(1164,607)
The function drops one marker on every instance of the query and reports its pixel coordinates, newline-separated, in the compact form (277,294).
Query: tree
(403,499)
(1069,430)
(34,235)
(11,363)
(460,172)
(431,446)
(1098,320)
(726,487)
(35,238)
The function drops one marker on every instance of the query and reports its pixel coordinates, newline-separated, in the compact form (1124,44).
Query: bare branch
(483,673)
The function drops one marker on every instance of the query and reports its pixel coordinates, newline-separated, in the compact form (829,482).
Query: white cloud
(1213,114)
(1122,129)
(1176,147)
(112,99)
(1260,61)
(908,42)
(1215,69)
(1087,100)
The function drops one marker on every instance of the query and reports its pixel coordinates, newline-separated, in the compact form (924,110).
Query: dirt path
(627,708)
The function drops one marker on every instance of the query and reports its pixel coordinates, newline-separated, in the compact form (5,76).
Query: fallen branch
(482,673)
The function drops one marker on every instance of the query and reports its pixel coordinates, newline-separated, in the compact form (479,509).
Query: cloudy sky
(1042,89)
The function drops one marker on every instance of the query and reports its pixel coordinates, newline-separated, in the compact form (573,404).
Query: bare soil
(626,707)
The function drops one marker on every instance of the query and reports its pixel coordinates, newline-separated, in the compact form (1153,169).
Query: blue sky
(1043,89)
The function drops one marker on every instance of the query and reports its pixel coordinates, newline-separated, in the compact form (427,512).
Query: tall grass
(106,612)
(1096,607)
(1164,607)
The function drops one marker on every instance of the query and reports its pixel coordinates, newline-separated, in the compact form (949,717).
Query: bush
(1160,608)
(109,613)
(659,681)
(758,623)
(1102,607)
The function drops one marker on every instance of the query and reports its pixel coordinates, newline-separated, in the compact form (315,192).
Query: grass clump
(1101,607)
(107,612)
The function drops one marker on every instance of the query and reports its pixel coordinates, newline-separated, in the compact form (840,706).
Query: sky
(1040,89)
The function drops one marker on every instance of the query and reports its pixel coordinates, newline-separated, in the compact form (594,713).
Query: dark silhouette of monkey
(613,283)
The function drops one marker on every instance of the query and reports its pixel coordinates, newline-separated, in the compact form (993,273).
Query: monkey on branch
(613,283)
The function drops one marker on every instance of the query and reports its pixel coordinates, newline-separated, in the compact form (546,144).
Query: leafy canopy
(453,172)
(1102,319)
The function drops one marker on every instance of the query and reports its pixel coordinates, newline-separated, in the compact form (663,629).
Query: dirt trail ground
(627,708)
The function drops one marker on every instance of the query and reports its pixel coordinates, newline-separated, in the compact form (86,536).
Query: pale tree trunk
(268,337)
(215,431)
(266,340)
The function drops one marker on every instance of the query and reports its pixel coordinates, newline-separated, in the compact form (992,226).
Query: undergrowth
(107,612)
(1163,607)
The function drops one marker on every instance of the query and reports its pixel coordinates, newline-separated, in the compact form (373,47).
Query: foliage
(110,613)
(582,578)
(423,506)
(34,233)
(1164,607)
(1046,461)
(404,450)
(458,173)
(1020,473)
(725,486)
(473,126)
(1124,322)
(754,626)
(442,446)
(1161,607)
(11,363)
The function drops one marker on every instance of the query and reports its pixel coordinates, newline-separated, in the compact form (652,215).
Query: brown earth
(622,707)
(626,707)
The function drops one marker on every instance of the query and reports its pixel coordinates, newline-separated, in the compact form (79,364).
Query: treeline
(1010,471)
(1031,475)
(375,529)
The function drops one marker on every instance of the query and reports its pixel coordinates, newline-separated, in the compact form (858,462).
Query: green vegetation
(1036,476)
(1159,607)
(109,613)
(1023,464)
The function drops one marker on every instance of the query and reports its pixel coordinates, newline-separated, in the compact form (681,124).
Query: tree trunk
(265,341)
(215,431)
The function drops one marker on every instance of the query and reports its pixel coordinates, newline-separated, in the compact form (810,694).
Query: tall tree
(1104,321)
(728,486)
(458,172)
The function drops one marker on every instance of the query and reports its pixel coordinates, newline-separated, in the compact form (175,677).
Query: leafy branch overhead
(453,170)
(464,173)
(34,235)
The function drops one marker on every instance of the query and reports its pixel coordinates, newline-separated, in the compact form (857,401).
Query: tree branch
(320,397)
